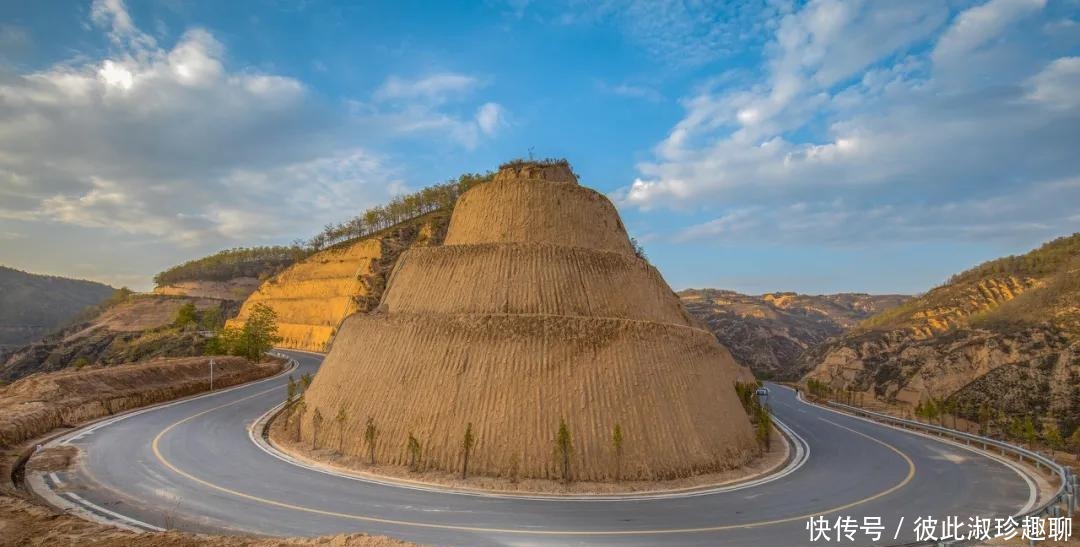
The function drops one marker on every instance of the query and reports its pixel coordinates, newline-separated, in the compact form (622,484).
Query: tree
(764,427)
(413,448)
(1053,436)
(564,445)
(371,433)
(984,418)
(301,408)
(186,315)
(290,390)
(316,424)
(514,468)
(1029,432)
(617,445)
(340,419)
(466,446)
(306,379)
(1074,443)
(259,333)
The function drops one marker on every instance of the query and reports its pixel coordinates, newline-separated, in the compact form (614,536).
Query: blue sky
(758,146)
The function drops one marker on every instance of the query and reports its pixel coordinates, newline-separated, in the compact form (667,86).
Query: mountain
(1001,339)
(124,328)
(33,305)
(769,332)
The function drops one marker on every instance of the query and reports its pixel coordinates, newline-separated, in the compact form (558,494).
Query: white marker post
(211,375)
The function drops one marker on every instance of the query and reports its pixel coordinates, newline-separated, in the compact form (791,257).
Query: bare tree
(341,417)
(316,424)
(466,446)
(413,447)
(564,444)
(371,433)
(301,408)
(617,444)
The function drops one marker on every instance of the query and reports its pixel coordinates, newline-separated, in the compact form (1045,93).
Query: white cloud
(979,25)
(854,107)
(170,144)
(490,117)
(437,87)
(1058,85)
(432,105)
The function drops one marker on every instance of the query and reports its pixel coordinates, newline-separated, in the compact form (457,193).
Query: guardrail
(1064,500)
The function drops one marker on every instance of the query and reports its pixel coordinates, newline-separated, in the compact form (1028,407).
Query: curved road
(191,465)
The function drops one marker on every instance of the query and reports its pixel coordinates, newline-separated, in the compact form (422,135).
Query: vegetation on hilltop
(263,262)
(1040,286)
(233,263)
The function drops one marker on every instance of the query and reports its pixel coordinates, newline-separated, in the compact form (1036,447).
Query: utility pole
(211,375)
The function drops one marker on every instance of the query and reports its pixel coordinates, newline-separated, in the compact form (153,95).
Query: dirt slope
(1004,335)
(769,332)
(510,327)
(136,328)
(313,296)
(233,289)
(40,403)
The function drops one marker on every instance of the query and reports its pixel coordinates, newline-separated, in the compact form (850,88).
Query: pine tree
(1053,436)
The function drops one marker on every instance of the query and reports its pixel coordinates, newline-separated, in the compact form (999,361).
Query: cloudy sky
(818,146)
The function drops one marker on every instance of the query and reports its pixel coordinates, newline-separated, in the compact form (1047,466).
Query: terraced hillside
(313,296)
(1001,338)
(535,316)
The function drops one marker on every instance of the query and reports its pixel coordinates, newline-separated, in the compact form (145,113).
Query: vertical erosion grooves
(530,211)
(312,296)
(514,377)
(530,279)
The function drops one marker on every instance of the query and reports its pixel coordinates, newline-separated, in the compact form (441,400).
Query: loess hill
(1001,339)
(313,296)
(535,310)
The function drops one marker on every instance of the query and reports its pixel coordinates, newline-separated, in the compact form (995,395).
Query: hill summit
(534,312)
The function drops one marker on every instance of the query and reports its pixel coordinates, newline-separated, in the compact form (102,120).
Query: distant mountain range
(33,305)
(769,332)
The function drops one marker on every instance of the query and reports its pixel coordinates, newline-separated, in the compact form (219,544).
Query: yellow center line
(366,518)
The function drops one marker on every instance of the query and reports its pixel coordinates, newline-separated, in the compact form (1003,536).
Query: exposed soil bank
(40,403)
(282,433)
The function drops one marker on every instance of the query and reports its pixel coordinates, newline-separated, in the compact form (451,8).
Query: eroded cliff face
(313,296)
(769,332)
(1001,336)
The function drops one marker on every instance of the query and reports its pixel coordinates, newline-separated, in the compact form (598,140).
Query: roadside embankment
(40,403)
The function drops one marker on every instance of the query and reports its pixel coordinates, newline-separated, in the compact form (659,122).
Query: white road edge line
(84,507)
(801,447)
(1033,490)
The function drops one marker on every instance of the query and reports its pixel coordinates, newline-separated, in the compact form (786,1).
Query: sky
(822,146)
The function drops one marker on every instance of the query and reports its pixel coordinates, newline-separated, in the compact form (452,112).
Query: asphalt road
(192,466)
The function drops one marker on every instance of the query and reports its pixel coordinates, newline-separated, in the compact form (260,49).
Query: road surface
(192,465)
